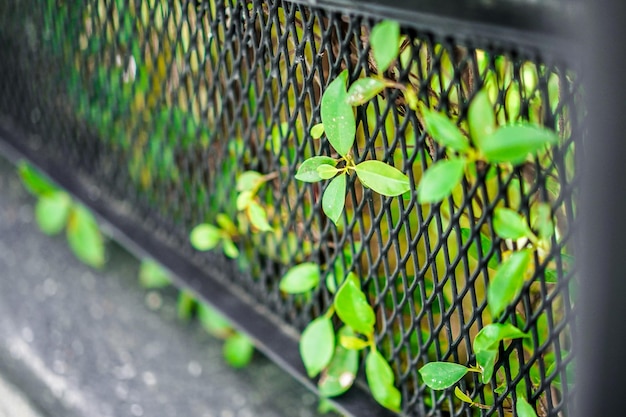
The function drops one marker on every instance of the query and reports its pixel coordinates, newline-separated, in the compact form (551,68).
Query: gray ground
(79,342)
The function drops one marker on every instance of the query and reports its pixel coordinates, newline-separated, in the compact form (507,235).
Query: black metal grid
(163,104)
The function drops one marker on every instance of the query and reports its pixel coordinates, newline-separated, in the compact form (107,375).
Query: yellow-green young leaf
(340,374)
(462,396)
(352,307)
(152,275)
(317,131)
(238,350)
(301,278)
(380,379)
(481,118)
(243,199)
(382,178)
(514,143)
(542,220)
(385,43)
(508,224)
(52,210)
(249,181)
(185,305)
(317,345)
(363,90)
(213,322)
(524,409)
(307,171)
(226,224)
(486,359)
(34,181)
(204,236)
(338,115)
(444,131)
(492,334)
(442,375)
(507,282)
(258,217)
(229,247)
(326,172)
(352,342)
(440,179)
(334,198)
(513,102)
(84,237)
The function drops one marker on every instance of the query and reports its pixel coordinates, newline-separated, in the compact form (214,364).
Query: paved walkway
(80,342)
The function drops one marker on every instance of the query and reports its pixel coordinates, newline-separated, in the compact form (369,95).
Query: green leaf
(317,131)
(524,409)
(243,200)
(213,322)
(341,372)
(444,131)
(442,375)
(352,307)
(338,115)
(380,379)
(34,181)
(481,118)
(185,305)
(317,345)
(226,224)
(238,350)
(205,237)
(382,178)
(542,221)
(307,171)
(84,237)
(492,334)
(486,359)
(327,172)
(440,179)
(230,249)
(385,43)
(334,198)
(508,224)
(258,217)
(301,278)
(353,342)
(249,181)
(507,282)
(363,90)
(462,396)
(514,143)
(152,275)
(52,210)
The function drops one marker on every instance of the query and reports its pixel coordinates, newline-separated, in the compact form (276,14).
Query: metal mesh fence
(164,104)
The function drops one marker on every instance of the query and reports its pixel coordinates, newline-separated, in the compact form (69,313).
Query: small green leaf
(440,179)
(327,172)
(238,350)
(185,305)
(213,322)
(353,342)
(340,374)
(230,249)
(258,217)
(205,237)
(317,131)
(226,224)
(486,359)
(52,210)
(542,221)
(307,171)
(382,178)
(492,334)
(84,237)
(243,200)
(152,275)
(385,43)
(444,131)
(317,345)
(507,282)
(481,118)
(249,181)
(380,379)
(301,278)
(352,307)
(514,143)
(442,375)
(363,90)
(338,115)
(462,396)
(334,198)
(508,224)
(524,409)
(34,181)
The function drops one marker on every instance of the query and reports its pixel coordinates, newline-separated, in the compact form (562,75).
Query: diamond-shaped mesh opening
(165,104)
